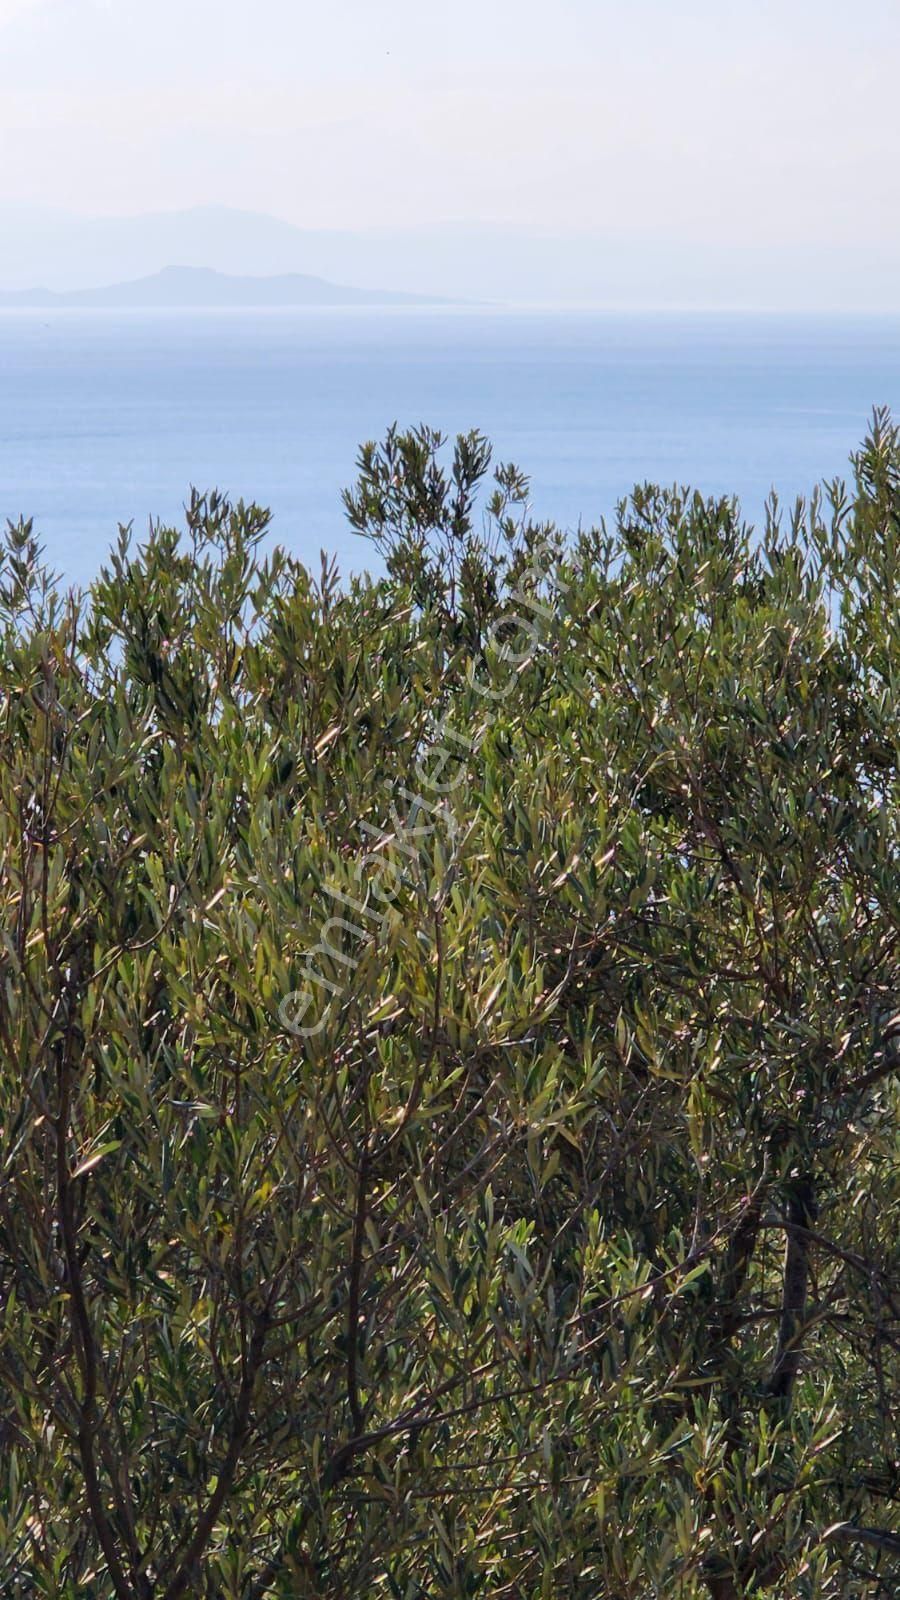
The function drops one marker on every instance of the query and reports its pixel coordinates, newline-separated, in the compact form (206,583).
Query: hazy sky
(765,120)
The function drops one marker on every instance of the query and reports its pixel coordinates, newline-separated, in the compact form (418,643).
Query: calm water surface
(110,417)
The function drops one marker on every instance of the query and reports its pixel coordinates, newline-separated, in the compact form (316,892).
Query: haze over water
(111,417)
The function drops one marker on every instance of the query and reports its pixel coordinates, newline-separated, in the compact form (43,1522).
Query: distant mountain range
(496,262)
(202,288)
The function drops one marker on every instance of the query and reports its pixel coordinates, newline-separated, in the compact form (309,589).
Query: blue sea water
(110,417)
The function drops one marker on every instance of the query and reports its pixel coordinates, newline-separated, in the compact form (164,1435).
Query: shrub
(450,1030)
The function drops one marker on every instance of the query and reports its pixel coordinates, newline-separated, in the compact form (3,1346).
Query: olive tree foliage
(549,1248)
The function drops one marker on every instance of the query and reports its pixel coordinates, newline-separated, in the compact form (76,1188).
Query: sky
(682,121)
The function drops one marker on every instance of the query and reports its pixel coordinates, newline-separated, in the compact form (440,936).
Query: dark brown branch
(82,1330)
(240,1428)
(738,1257)
(878,1538)
(353,1298)
(800,1212)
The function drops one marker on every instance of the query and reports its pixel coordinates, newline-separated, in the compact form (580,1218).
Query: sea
(111,417)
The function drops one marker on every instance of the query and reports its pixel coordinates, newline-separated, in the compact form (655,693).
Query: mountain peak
(193,287)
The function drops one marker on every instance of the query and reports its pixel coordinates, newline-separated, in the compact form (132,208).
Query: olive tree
(450,1030)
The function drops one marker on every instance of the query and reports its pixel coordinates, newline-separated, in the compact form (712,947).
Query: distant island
(186,288)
